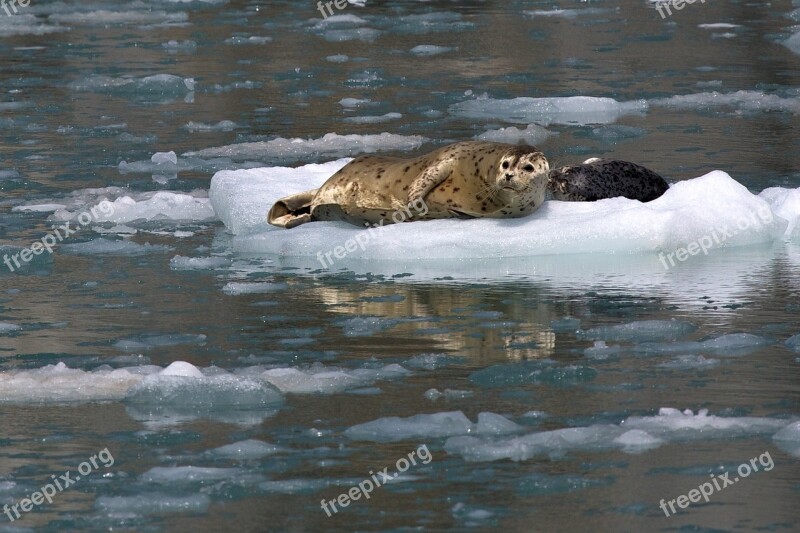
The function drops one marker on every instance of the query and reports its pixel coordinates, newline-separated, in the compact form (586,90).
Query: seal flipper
(291,211)
(429,180)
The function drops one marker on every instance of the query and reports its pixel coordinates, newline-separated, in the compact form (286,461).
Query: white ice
(329,145)
(532,135)
(633,435)
(434,425)
(575,110)
(688,212)
(125,507)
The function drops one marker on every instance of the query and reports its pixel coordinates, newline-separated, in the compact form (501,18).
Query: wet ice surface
(237,381)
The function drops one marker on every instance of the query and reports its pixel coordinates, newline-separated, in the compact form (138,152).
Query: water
(302,382)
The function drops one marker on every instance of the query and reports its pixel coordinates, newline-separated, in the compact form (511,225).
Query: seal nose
(509,176)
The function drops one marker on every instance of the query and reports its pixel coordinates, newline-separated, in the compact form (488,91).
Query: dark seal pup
(597,179)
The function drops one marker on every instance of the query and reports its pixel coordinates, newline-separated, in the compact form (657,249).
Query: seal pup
(598,178)
(470,179)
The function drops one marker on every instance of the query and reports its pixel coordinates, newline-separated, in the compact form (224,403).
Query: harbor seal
(470,179)
(597,179)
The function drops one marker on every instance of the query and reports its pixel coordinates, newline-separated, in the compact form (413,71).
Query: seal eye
(505,164)
(528,168)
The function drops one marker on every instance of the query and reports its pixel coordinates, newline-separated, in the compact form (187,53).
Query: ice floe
(329,145)
(576,110)
(434,425)
(635,434)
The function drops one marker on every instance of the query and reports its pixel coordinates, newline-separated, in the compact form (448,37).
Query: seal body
(469,179)
(597,179)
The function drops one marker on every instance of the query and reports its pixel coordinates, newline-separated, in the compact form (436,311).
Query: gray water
(520,347)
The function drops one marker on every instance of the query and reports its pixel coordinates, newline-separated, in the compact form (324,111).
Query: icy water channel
(161,371)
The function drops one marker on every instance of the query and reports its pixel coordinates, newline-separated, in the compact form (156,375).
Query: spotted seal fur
(597,179)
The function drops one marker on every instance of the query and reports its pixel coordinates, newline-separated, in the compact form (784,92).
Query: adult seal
(597,179)
(471,179)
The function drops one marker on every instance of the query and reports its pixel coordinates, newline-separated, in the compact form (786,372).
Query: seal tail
(292,211)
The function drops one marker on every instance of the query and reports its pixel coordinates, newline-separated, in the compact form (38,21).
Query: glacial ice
(626,236)
(532,135)
(640,331)
(107,246)
(633,435)
(328,380)
(576,110)
(329,145)
(151,503)
(156,85)
(436,425)
(245,450)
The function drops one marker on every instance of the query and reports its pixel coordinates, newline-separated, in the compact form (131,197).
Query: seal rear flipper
(291,211)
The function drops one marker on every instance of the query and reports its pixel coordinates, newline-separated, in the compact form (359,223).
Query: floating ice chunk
(107,18)
(38,208)
(785,203)
(252,39)
(617,132)
(640,331)
(354,102)
(160,158)
(788,439)
(182,46)
(368,35)
(146,342)
(159,84)
(448,394)
(338,21)
(719,26)
(687,362)
(328,380)
(394,428)
(675,424)
(739,100)
(161,205)
(734,343)
(151,503)
(494,424)
(612,226)
(294,486)
(246,450)
(182,368)
(236,288)
(600,350)
(793,343)
(366,326)
(541,484)
(373,119)
(793,43)
(430,50)
(57,383)
(435,425)
(580,110)
(9,175)
(203,394)
(106,246)
(338,58)
(173,475)
(569,13)
(329,145)
(437,21)
(531,135)
(180,262)
(632,435)
(532,372)
(637,440)
(222,125)
(7,327)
